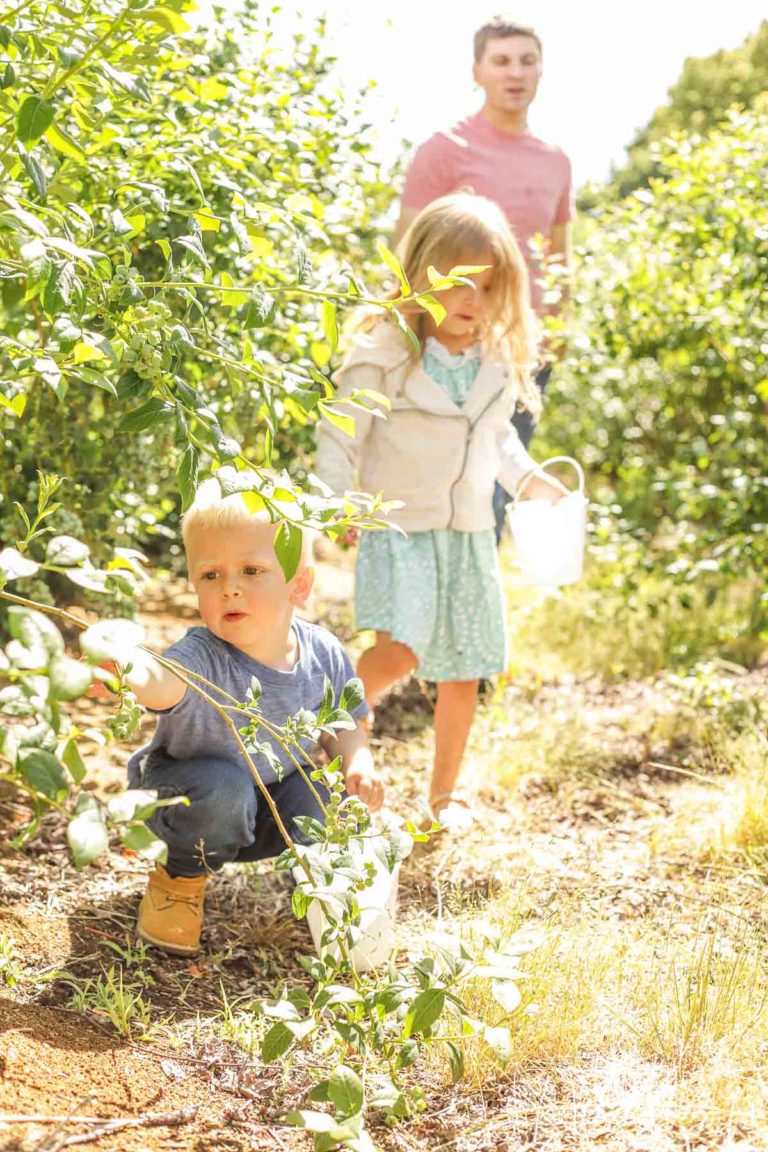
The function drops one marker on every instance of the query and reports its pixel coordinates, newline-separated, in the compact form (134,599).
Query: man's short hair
(499,28)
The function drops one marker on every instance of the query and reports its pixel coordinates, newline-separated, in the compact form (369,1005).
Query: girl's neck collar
(444,355)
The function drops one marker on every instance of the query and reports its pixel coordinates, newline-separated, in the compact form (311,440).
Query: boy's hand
(360,776)
(365,783)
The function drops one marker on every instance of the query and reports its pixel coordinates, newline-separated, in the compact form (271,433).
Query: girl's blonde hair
(466,229)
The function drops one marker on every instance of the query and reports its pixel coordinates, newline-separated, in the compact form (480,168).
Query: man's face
(509,72)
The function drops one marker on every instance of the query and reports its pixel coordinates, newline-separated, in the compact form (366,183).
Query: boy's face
(509,72)
(241,590)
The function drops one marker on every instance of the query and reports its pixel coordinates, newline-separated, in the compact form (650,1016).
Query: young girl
(432,592)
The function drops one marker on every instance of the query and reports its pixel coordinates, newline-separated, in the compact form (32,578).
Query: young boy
(249,631)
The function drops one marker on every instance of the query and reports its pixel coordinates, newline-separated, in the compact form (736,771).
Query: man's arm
(360,775)
(561,252)
(561,246)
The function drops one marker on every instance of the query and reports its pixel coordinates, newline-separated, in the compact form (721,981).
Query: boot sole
(164,946)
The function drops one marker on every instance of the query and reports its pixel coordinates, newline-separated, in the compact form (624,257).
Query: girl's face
(468,310)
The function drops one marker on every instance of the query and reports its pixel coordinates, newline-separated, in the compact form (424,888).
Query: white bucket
(374,937)
(549,537)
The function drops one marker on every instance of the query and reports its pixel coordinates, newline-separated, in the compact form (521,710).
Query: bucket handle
(544,464)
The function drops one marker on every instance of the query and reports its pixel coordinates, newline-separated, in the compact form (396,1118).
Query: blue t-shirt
(194,729)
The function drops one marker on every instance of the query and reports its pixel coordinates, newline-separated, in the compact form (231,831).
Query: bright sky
(607,64)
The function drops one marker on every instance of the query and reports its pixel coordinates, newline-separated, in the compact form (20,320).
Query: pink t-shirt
(529,179)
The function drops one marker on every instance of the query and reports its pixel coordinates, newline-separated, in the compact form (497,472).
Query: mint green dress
(438,592)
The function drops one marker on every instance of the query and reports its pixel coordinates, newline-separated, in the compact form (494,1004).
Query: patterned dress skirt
(438,592)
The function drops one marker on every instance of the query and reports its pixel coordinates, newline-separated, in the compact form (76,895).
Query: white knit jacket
(440,460)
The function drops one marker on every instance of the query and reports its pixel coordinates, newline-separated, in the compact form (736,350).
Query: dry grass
(615,626)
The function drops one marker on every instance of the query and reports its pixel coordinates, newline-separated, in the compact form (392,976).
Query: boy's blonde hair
(467,229)
(210,509)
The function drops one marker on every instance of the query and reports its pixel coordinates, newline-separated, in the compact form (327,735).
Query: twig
(51,1142)
(685,772)
(148,1120)
(37,1118)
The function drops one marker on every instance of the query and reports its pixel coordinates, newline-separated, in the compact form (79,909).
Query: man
(494,153)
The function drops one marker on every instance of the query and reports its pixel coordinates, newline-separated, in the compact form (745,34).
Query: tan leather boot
(171,912)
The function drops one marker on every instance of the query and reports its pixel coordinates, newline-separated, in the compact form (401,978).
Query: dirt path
(603,840)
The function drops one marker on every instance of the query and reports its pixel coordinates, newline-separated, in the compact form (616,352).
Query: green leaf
(230,480)
(34,629)
(64,143)
(499,1040)
(425,1010)
(395,266)
(339,420)
(73,760)
(15,566)
(139,838)
(65,331)
(349,1134)
(311,1120)
(66,551)
(134,85)
(507,994)
(408,332)
(288,545)
(330,324)
(146,416)
(278,1040)
(33,119)
(434,307)
(43,772)
(235,297)
(186,475)
(260,246)
(37,262)
(87,837)
(168,19)
(456,1059)
(15,404)
(260,309)
(337,994)
(352,695)
(226,447)
(345,1090)
(60,287)
(68,678)
(465,270)
(111,640)
(35,171)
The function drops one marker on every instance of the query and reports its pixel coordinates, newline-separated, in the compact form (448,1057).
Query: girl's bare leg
(383,665)
(456,702)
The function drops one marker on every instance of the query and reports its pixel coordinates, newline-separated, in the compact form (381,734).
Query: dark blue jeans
(226,820)
(525,423)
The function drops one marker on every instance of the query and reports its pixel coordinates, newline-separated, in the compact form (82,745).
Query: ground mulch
(63,1069)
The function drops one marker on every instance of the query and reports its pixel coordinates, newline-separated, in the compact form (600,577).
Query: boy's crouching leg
(202,835)
(171,912)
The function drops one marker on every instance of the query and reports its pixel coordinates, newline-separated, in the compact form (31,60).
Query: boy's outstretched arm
(153,686)
(360,775)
